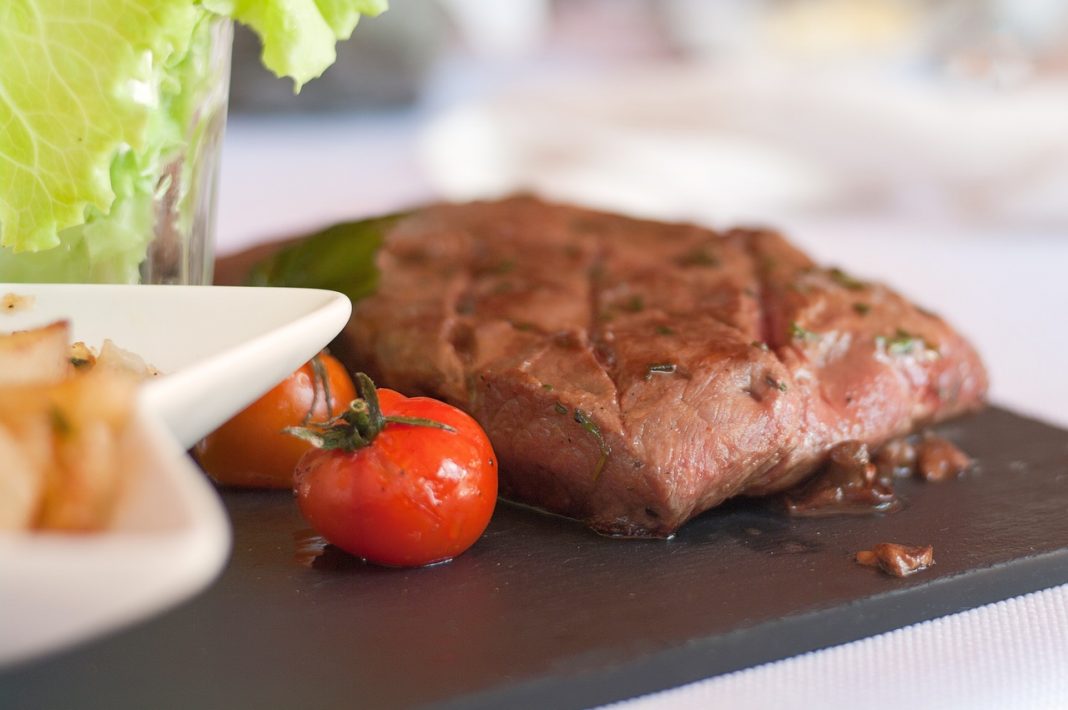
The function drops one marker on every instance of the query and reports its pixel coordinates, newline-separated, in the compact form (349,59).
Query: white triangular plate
(220,348)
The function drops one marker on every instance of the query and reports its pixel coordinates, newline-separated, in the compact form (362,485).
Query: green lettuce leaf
(109,245)
(96,100)
(78,82)
(298,36)
(342,15)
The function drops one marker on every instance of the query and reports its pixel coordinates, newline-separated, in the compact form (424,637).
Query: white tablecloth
(1008,291)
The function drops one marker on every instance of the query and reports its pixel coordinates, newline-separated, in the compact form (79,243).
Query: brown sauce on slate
(850,483)
(855,481)
(939,459)
(896,459)
(897,560)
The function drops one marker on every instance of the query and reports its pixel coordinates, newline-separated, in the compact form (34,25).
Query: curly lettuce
(95,102)
(298,36)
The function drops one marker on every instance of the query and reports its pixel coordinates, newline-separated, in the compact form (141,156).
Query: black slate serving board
(542,613)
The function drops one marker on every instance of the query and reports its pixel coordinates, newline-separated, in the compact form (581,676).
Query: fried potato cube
(81,423)
(40,355)
(21,483)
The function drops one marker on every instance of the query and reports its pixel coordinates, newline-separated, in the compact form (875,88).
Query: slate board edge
(789,637)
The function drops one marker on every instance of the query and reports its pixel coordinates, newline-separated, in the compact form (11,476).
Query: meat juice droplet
(313,551)
(308,546)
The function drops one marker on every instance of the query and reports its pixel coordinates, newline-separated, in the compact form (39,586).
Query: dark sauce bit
(929,457)
(850,483)
(939,459)
(896,459)
(853,481)
(897,560)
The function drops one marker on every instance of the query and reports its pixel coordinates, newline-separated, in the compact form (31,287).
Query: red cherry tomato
(395,493)
(251,450)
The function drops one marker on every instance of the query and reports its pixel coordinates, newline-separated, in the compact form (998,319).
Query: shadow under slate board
(542,613)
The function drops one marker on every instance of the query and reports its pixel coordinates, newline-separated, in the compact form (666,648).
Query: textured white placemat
(1013,654)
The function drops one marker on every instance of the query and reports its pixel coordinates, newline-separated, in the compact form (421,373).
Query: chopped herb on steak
(799,333)
(661,368)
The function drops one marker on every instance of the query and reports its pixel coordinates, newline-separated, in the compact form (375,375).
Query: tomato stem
(359,424)
(419,421)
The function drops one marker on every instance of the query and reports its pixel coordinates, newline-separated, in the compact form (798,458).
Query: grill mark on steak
(631,315)
(601,350)
(461,335)
(599,345)
(773,261)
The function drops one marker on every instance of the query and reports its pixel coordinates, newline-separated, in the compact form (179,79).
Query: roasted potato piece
(61,427)
(21,483)
(81,355)
(40,355)
(88,424)
(71,431)
(114,358)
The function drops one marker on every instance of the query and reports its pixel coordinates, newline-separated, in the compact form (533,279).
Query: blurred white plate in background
(220,348)
(757,142)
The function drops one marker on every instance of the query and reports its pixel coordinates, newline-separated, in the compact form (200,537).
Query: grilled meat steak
(632,374)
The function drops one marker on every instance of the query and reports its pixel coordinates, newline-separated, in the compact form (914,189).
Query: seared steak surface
(633,374)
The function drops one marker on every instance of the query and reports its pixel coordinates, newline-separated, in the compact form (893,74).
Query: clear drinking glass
(161,227)
(182,250)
